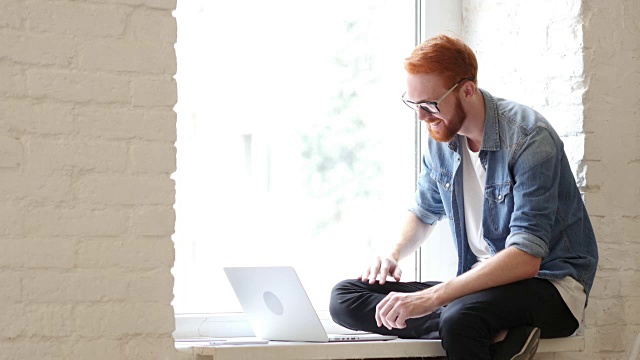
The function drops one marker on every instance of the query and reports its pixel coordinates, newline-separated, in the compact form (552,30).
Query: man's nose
(425,115)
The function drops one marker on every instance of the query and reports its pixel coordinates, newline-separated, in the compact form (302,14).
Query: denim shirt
(531,200)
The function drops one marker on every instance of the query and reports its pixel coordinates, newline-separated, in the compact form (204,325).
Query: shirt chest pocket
(498,207)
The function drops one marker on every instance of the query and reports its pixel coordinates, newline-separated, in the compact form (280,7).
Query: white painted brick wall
(578,63)
(87,136)
(612,153)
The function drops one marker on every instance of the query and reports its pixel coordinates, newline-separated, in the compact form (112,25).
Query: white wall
(86,152)
(612,157)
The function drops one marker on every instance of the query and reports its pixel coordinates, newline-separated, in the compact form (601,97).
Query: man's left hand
(396,308)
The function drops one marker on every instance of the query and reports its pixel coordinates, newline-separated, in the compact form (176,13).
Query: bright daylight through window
(293,145)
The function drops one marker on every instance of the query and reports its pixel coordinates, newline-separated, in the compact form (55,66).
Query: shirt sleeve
(428,205)
(536,169)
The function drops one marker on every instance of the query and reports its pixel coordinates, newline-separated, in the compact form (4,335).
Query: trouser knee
(341,305)
(457,324)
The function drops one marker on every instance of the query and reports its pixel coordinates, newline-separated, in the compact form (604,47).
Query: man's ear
(468,89)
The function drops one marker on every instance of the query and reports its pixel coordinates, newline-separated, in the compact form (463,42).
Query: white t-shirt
(474,178)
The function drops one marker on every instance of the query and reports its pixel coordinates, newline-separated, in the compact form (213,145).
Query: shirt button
(447,185)
(499,197)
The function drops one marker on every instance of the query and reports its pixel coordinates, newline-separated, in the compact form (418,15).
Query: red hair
(447,56)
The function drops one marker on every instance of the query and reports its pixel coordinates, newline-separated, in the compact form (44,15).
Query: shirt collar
(491,135)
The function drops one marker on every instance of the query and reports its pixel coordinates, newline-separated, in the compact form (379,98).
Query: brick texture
(612,141)
(86,155)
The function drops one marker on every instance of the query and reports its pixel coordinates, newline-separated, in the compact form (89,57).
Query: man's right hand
(381,267)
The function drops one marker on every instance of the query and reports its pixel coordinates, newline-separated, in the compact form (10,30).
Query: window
(293,145)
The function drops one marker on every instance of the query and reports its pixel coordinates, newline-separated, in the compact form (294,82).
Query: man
(498,172)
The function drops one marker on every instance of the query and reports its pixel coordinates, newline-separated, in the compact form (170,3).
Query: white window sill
(400,348)
(232,325)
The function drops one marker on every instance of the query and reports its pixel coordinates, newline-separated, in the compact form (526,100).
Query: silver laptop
(278,307)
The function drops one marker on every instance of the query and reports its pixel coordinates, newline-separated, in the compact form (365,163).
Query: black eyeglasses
(431,106)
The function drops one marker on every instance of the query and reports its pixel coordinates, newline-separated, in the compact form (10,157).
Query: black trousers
(467,325)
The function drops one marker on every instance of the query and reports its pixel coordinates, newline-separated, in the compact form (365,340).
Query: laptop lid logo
(273,303)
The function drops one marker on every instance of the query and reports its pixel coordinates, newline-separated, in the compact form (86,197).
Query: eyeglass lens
(431,108)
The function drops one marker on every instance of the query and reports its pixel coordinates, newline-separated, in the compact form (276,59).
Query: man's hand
(396,308)
(382,267)
(413,233)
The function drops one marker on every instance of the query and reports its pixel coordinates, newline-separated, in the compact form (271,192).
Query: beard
(448,130)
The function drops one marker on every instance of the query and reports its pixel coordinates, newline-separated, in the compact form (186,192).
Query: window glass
(293,145)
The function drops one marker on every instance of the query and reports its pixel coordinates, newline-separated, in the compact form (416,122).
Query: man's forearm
(508,266)
(413,234)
